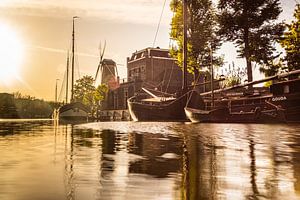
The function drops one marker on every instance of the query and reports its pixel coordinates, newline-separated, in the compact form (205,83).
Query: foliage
(17,105)
(100,92)
(33,108)
(234,75)
(83,88)
(271,70)
(291,42)
(250,24)
(7,106)
(86,93)
(201,34)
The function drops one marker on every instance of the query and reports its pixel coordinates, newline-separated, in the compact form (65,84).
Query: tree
(202,38)
(83,87)
(100,92)
(291,42)
(251,25)
(86,93)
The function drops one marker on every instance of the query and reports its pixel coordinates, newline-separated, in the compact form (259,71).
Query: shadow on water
(149,161)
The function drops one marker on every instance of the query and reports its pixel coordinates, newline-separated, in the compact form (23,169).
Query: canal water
(125,160)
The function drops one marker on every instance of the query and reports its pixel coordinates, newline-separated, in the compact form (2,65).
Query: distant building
(108,71)
(151,68)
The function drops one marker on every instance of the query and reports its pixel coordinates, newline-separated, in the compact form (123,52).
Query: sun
(11,54)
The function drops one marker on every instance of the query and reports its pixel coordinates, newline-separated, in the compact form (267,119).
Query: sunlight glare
(11,54)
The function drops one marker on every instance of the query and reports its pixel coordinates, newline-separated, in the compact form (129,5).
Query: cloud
(132,11)
(63,51)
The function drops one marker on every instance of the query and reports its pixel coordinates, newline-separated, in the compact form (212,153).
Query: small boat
(280,104)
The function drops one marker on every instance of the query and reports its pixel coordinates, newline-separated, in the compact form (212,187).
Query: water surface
(127,160)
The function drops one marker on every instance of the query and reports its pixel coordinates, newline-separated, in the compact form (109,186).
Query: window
(286,89)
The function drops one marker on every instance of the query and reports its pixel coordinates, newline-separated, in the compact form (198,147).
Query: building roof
(108,62)
(154,52)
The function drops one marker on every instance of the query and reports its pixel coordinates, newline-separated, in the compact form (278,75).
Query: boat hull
(280,109)
(73,111)
(172,111)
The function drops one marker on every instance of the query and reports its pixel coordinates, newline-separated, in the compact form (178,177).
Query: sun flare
(11,54)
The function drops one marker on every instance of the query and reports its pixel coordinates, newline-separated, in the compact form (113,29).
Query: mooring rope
(159,23)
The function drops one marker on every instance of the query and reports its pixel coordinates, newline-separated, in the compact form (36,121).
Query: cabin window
(286,89)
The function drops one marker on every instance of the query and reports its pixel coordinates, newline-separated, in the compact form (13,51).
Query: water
(126,160)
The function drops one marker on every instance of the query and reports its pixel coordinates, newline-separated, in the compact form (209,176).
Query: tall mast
(184,77)
(212,78)
(56,90)
(67,86)
(73,56)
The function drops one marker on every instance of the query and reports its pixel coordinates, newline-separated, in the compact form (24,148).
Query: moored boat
(157,108)
(73,110)
(162,108)
(278,105)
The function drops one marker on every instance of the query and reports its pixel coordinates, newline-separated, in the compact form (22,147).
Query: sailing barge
(73,110)
(157,108)
(278,105)
(160,108)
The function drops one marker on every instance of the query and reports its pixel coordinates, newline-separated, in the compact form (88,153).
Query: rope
(170,77)
(170,39)
(177,99)
(163,81)
(63,87)
(159,23)
(190,96)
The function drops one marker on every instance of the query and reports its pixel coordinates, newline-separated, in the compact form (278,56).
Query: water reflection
(160,154)
(45,160)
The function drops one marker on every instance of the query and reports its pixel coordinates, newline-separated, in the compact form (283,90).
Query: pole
(73,56)
(212,78)
(56,90)
(67,85)
(184,78)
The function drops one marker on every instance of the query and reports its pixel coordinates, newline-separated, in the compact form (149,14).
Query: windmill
(107,69)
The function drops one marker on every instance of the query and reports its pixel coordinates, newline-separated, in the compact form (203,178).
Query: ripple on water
(148,160)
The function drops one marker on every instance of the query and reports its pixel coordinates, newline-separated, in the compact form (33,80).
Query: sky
(35,36)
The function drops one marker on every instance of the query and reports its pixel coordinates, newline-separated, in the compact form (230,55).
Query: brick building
(152,68)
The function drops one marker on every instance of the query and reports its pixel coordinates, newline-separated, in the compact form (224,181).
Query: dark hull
(71,112)
(171,111)
(276,109)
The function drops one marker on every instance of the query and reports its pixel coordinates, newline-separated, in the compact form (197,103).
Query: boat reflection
(251,165)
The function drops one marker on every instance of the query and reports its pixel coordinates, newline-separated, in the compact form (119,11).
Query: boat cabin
(285,87)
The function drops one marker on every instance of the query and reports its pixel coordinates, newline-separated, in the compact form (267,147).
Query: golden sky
(36,34)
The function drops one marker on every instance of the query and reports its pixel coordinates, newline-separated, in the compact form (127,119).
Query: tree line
(17,105)
(251,25)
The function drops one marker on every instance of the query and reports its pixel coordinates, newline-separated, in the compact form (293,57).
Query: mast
(56,90)
(184,77)
(212,78)
(67,86)
(73,56)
